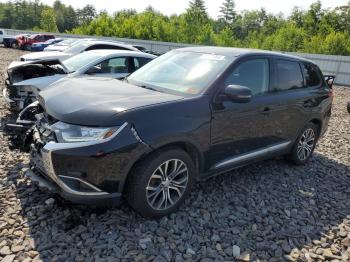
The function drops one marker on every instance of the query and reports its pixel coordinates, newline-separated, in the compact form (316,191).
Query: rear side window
(140,62)
(289,75)
(253,74)
(312,75)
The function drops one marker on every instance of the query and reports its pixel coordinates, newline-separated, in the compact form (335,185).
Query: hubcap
(306,144)
(167,184)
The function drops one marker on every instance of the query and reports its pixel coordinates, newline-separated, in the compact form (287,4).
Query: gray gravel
(270,211)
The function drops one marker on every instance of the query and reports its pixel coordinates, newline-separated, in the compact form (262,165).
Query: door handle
(266,111)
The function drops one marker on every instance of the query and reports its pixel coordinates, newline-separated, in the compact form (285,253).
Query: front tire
(305,144)
(160,183)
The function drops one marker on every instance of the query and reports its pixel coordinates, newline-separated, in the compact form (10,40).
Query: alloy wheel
(167,184)
(306,144)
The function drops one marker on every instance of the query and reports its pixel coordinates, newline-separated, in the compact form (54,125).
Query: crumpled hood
(45,55)
(96,101)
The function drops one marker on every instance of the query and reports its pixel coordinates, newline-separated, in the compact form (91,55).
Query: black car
(188,115)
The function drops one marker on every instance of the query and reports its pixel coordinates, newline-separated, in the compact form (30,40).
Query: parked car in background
(26,80)
(21,41)
(10,41)
(79,47)
(37,47)
(2,35)
(28,41)
(61,46)
(188,115)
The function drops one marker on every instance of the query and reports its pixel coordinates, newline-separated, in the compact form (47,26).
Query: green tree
(48,21)
(227,11)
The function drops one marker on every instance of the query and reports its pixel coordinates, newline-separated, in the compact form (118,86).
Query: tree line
(34,15)
(315,30)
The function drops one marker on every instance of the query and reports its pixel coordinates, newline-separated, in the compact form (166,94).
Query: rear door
(290,98)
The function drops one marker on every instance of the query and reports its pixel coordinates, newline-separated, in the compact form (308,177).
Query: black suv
(188,115)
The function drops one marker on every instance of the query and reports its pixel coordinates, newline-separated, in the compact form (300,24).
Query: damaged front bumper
(18,97)
(84,172)
(24,122)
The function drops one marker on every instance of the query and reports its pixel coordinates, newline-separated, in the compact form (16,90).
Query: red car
(20,40)
(26,42)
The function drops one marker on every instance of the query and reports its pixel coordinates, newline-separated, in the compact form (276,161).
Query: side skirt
(246,159)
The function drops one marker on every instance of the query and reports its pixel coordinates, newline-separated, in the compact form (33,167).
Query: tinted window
(312,75)
(46,37)
(140,62)
(289,75)
(1,33)
(40,38)
(95,47)
(253,74)
(117,65)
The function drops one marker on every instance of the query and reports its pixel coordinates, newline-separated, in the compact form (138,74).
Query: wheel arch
(190,148)
(317,122)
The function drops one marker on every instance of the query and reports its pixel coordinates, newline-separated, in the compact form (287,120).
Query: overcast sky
(178,6)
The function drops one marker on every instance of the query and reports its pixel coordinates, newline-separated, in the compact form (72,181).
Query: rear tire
(159,183)
(304,146)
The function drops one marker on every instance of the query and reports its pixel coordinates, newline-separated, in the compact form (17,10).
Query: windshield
(181,72)
(76,47)
(80,60)
(68,42)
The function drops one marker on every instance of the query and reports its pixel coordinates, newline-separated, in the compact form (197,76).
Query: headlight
(67,133)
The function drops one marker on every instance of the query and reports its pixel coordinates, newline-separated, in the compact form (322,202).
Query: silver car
(26,79)
(77,48)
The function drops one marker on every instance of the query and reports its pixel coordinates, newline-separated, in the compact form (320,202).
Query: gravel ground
(270,211)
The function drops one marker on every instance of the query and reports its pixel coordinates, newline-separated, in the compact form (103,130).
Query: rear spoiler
(329,79)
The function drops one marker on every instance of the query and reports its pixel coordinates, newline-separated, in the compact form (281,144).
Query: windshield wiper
(149,88)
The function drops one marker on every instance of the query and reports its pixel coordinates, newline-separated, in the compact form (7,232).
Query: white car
(61,46)
(79,47)
(2,35)
(26,79)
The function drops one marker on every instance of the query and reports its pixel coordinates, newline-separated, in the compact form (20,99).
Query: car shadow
(267,209)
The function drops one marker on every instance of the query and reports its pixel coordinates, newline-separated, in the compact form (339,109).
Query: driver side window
(253,74)
(118,65)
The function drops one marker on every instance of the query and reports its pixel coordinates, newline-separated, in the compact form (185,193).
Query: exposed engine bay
(34,70)
(21,93)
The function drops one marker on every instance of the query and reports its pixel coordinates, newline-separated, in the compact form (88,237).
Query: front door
(240,129)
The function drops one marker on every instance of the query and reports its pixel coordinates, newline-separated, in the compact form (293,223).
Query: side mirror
(330,80)
(123,77)
(238,94)
(93,70)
